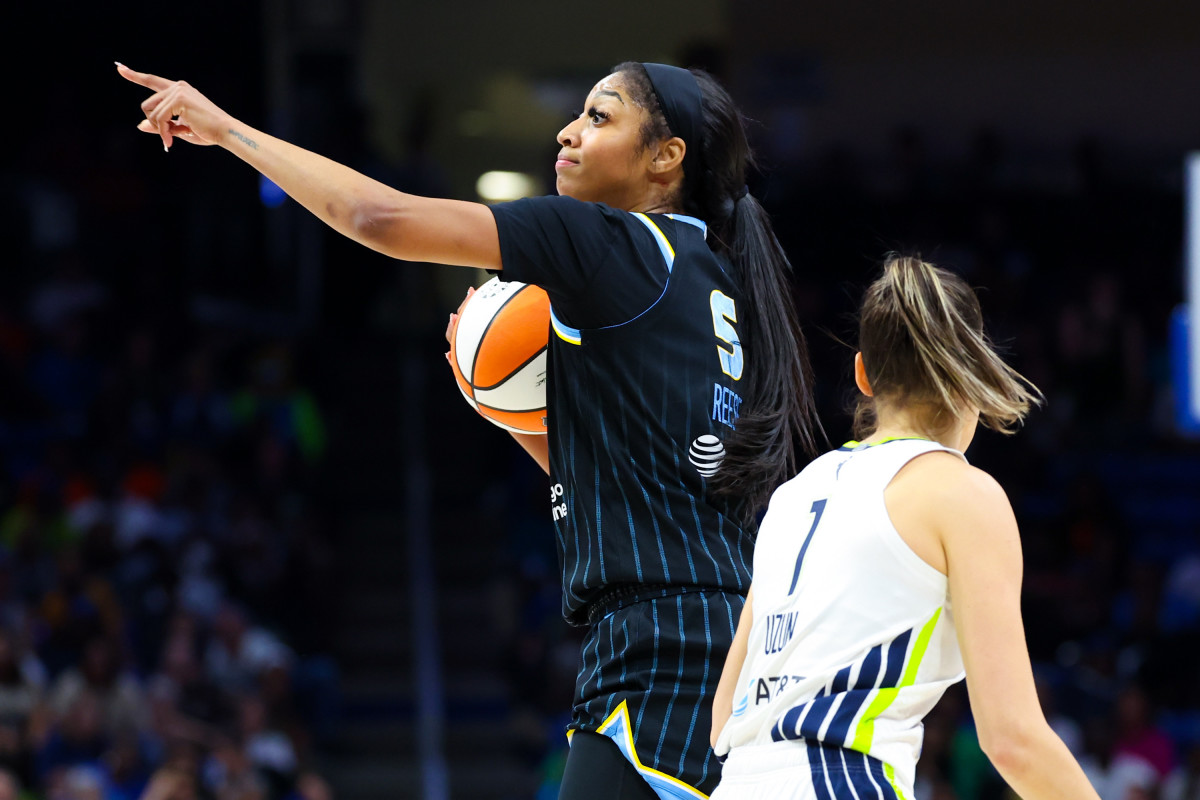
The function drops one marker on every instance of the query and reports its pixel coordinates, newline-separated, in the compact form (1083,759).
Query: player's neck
(894,424)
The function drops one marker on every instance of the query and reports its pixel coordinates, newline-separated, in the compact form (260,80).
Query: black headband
(679,97)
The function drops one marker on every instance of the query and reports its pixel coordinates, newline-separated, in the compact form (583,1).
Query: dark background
(253,543)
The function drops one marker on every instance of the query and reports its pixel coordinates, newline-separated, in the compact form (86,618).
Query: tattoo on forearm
(244,140)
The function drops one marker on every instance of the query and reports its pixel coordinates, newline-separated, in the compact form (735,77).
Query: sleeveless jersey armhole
(896,542)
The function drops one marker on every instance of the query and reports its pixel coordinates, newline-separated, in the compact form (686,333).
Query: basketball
(498,353)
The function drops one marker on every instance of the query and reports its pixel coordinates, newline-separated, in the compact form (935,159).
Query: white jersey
(852,640)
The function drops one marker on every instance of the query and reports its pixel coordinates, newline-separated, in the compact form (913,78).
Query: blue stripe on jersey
(708,643)
(885,786)
(858,771)
(839,782)
(703,226)
(662,551)
(678,673)
(841,680)
(741,550)
(612,460)
(563,331)
(687,544)
(699,532)
(657,534)
(810,727)
(653,667)
(599,537)
(612,698)
(895,660)
(816,764)
(789,724)
(581,521)
(860,776)
(864,684)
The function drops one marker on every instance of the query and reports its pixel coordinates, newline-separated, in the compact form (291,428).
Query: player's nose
(569,135)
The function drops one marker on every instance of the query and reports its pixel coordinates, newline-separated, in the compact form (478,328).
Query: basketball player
(679,391)
(883,569)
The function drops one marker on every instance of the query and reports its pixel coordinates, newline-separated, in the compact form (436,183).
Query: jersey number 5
(724,314)
(818,508)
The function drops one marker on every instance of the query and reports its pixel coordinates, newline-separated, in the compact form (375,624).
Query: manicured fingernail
(118,63)
(166,149)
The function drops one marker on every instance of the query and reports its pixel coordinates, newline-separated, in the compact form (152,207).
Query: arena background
(254,546)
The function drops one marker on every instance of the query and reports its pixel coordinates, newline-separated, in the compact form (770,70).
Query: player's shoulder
(817,472)
(948,485)
(560,205)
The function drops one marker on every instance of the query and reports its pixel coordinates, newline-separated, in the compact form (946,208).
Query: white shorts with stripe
(806,771)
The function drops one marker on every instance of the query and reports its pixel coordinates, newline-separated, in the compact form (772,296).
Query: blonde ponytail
(923,344)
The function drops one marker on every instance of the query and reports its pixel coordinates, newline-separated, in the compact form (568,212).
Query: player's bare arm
(734,660)
(972,515)
(396,224)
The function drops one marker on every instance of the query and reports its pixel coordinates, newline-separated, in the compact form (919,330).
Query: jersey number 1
(818,508)
(724,314)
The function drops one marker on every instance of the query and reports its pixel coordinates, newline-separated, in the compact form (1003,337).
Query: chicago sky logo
(705,454)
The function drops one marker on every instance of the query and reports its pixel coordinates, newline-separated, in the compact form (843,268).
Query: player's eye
(597,116)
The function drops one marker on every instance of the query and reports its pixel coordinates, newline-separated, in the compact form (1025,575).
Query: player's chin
(575,189)
(566,187)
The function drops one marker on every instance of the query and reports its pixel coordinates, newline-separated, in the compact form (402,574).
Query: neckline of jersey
(853,445)
(693,221)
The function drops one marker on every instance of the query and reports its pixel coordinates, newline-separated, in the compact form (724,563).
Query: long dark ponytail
(778,424)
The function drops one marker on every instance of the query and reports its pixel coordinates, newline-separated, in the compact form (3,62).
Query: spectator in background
(66,376)
(1137,734)
(274,403)
(185,703)
(10,786)
(229,774)
(21,707)
(76,737)
(1184,781)
(239,652)
(77,608)
(100,673)
(311,786)
(173,781)
(200,410)
(77,782)
(1065,726)
(127,766)
(267,746)
(32,532)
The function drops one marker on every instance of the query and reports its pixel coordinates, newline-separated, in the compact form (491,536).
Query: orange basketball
(498,353)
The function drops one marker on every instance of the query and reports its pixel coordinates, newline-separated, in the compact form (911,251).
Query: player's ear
(668,155)
(860,376)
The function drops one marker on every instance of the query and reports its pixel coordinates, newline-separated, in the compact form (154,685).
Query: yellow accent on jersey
(865,732)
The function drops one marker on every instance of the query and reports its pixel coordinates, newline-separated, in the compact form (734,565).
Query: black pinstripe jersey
(644,383)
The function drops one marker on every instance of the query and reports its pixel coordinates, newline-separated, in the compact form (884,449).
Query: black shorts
(648,675)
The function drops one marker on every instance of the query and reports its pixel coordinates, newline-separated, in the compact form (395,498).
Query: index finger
(143,78)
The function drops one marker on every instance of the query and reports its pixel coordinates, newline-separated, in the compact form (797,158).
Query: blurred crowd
(163,551)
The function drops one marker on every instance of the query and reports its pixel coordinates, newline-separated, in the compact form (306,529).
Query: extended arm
(975,523)
(400,225)
(734,660)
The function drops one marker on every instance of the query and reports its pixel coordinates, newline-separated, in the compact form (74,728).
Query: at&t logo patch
(705,454)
